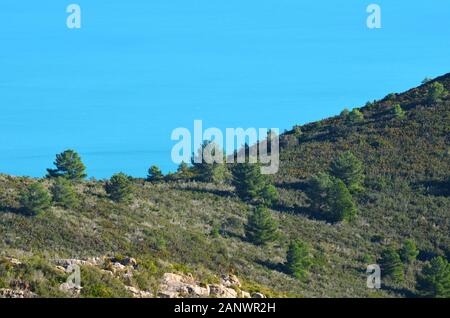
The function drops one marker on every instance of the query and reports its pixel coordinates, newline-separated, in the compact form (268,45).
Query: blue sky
(115,89)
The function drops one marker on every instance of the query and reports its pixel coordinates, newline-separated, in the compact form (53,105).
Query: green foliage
(35,199)
(298,260)
(119,188)
(426,80)
(97,284)
(64,194)
(297,131)
(356,116)
(349,169)
(251,185)
(209,163)
(436,92)
(391,265)
(345,113)
(261,228)
(435,279)
(154,174)
(317,190)
(68,165)
(398,111)
(408,252)
(340,201)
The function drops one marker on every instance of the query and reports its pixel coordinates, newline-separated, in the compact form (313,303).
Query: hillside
(198,228)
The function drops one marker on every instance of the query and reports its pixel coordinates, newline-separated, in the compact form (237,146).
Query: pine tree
(391,265)
(398,111)
(408,252)
(154,174)
(251,185)
(340,201)
(317,190)
(261,228)
(119,187)
(435,279)
(356,116)
(68,165)
(35,199)
(436,92)
(64,194)
(209,163)
(349,169)
(298,260)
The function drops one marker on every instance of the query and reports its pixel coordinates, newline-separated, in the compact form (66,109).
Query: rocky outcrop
(179,286)
(12,293)
(138,293)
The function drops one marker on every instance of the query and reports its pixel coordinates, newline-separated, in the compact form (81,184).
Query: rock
(221,291)
(138,293)
(68,288)
(60,268)
(230,281)
(117,267)
(14,261)
(258,295)
(12,293)
(176,285)
(245,294)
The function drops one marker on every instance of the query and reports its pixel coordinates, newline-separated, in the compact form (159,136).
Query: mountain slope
(198,227)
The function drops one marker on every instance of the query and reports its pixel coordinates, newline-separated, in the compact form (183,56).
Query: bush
(68,165)
(35,199)
(356,116)
(64,194)
(298,260)
(261,228)
(119,188)
(435,279)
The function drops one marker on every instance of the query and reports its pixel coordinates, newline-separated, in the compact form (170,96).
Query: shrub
(64,194)
(35,199)
(435,279)
(298,260)
(261,228)
(119,187)
(68,165)
(317,190)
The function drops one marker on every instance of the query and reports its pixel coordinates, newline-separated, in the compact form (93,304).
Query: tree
(356,116)
(317,190)
(408,252)
(35,199)
(436,92)
(340,201)
(435,279)
(349,169)
(251,185)
(298,260)
(154,174)
(261,228)
(64,194)
(391,265)
(119,187)
(68,165)
(345,113)
(208,164)
(398,111)
(426,80)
